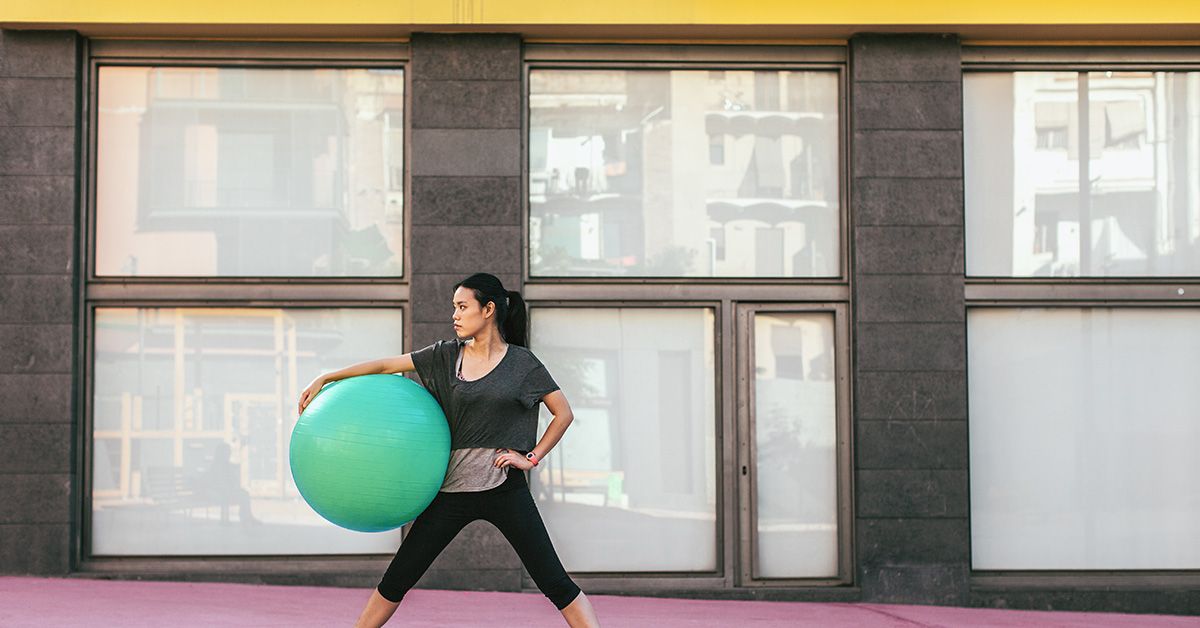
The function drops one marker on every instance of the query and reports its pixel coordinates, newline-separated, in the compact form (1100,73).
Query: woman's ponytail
(516,322)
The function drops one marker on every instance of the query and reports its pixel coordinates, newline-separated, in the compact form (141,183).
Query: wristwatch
(532,457)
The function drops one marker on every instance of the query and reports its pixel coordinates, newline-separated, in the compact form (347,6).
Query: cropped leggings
(511,509)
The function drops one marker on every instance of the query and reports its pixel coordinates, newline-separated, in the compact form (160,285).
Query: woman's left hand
(509,457)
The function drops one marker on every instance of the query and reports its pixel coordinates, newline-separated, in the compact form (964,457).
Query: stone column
(39,74)
(912,534)
(466,218)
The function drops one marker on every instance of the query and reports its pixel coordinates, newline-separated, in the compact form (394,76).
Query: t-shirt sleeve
(537,384)
(427,362)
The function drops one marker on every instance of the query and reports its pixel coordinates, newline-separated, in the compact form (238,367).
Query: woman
(488,384)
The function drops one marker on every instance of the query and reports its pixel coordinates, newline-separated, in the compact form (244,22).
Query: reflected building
(684,173)
(254,172)
(194,410)
(1042,187)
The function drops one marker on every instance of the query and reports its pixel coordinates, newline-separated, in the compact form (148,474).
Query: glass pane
(1084,437)
(795,431)
(194,409)
(1034,208)
(632,484)
(683,173)
(251,171)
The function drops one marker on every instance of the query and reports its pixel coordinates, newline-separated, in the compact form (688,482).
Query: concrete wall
(38,91)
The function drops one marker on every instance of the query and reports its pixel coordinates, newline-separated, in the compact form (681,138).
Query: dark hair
(510,307)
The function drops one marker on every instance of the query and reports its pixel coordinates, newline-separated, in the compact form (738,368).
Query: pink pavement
(26,601)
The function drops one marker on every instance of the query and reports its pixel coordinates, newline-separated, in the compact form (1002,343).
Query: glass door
(793,458)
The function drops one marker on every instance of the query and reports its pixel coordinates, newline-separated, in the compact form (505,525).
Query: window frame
(724,295)
(649,581)
(980,289)
(377,293)
(1075,293)
(1007,579)
(748,447)
(264,55)
(733,536)
(691,57)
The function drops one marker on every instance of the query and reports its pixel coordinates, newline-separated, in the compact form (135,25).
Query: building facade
(891,309)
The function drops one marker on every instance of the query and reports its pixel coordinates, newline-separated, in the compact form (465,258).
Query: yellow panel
(543,12)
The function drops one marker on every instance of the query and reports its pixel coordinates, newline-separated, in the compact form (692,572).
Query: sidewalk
(85,602)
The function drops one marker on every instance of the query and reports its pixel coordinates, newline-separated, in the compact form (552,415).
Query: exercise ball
(369,453)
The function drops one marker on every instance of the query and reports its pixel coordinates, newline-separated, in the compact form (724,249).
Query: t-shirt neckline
(462,344)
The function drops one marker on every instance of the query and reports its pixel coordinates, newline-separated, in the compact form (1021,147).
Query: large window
(251,171)
(1082,174)
(684,173)
(193,410)
(245,213)
(687,275)
(1083,252)
(1084,438)
(633,485)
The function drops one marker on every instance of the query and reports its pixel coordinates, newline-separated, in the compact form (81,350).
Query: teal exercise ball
(370,452)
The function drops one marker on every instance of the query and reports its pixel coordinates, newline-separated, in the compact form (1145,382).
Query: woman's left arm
(556,403)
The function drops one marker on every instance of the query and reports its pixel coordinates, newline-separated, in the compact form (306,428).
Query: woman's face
(469,318)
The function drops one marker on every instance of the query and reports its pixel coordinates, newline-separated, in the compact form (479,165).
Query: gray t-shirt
(472,469)
(499,409)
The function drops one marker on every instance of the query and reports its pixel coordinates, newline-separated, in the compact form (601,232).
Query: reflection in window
(631,172)
(795,426)
(632,484)
(193,415)
(252,171)
(1083,438)
(1034,208)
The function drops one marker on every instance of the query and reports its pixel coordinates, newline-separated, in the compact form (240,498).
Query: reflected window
(632,485)
(1082,174)
(193,414)
(1083,438)
(631,171)
(267,172)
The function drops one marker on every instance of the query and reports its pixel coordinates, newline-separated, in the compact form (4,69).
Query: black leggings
(510,508)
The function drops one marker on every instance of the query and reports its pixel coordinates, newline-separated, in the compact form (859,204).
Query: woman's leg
(430,533)
(515,514)
(377,612)
(580,612)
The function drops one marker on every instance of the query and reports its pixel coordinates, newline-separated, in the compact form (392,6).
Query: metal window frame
(981,289)
(1143,292)
(92,292)
(691,57)
(90,562)
(1005,580)
(127,53)
(725,295)
(748,447)
(1071,58)
(732,416)
(1177,292)
(656,580)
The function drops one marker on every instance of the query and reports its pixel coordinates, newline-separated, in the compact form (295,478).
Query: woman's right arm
(395,364)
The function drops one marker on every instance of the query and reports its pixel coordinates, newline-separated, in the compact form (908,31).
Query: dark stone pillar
(38,89)
(466,218)
(912,533)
